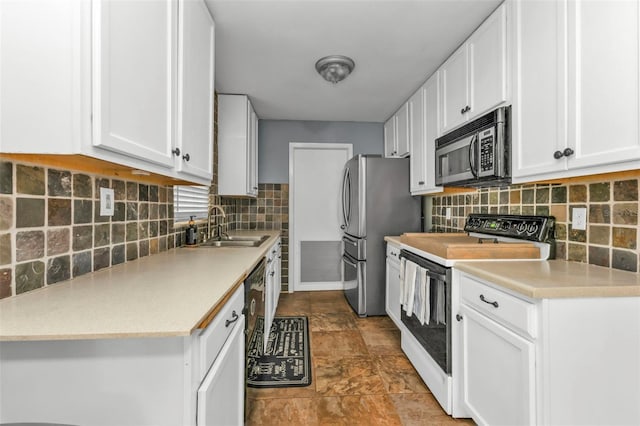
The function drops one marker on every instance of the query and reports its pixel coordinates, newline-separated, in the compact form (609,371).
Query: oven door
(353,279)
(456,161)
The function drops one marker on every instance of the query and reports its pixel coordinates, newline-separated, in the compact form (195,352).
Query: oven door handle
(438,277)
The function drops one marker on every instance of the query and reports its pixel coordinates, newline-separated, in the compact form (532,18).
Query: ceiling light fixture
(335,68)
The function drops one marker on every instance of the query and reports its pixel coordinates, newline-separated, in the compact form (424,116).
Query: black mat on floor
(287,361)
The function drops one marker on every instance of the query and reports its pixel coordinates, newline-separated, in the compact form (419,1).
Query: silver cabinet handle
(234,318)
(494,303)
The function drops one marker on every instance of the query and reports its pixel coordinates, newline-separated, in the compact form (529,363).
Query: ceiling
(267,49)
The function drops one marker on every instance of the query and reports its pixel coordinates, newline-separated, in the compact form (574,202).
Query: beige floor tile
(382,341)
(347,376)
(422,409)
(332,322)
(337,343)
(398,375)
(375,323)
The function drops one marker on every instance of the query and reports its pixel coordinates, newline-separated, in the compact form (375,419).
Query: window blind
(190,201)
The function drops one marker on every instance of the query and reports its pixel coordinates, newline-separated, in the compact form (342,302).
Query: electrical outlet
(579,218)
(106,202)
(447,214)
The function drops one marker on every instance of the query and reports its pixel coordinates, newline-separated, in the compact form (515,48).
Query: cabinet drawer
(393,252)
(512,312)
(213,337)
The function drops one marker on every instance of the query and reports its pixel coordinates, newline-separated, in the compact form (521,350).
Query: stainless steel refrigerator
(375,202)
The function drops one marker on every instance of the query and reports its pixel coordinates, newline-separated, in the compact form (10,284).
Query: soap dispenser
(191,232)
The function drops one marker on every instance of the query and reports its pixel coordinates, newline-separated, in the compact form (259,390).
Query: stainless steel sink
(237,241)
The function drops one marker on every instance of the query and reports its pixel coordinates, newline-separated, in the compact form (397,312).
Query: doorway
(315,238)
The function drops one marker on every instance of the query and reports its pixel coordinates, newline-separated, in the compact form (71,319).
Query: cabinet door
(195,93)
(221,394)
(417,161)
(454,85)
(432,131)
(498,372)
(402,132)
(390,137)
(488,64)
(604,82)
(538,74)
(252,150)
(392,295)
(134,78)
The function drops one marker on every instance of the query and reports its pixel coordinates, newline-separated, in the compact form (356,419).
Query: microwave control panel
(487,146)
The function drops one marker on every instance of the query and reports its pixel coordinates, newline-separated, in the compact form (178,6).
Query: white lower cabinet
(560,361)
(499,369)
(223,387)
(392,280)
(273,286)
(198,379)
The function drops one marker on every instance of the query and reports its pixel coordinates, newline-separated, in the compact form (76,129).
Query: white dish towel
(425,291)
(409,286)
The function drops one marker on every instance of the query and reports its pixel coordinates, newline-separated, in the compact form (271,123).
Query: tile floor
(360,374)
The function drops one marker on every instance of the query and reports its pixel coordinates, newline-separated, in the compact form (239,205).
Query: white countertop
(166,294)
(549,278)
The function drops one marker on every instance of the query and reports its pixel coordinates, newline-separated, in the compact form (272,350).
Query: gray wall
(274,137)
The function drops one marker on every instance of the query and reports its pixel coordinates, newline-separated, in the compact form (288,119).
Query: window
(190,201)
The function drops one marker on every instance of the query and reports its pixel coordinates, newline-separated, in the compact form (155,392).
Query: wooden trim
(216,309)
(92,165)
(627,174)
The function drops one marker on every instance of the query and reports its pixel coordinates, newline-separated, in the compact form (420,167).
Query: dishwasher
(254,307)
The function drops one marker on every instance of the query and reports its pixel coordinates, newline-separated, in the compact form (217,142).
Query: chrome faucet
(219,227)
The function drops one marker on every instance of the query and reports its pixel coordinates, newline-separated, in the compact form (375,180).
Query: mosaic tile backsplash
(268,211)
(51,229)
(612,235)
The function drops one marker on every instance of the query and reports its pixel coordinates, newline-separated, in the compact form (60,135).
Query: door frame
(293,146)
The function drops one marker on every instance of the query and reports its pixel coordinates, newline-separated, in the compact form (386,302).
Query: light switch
(106,202)
(579,218)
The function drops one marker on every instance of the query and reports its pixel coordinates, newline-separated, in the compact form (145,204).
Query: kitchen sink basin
(237,241)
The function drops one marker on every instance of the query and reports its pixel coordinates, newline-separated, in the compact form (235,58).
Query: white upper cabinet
(195,113)
(576,88)
(474,79)
(390,136)
(396,133)
(134,78)
(423,113)
(455,81)
(237,146)
(126,82)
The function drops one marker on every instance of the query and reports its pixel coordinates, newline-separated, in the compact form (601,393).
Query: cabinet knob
(176,152)
(273,273)
(186,157)
(467,108)
(462,111)
(567,152)
(458,317)
(558,155)
(421,182)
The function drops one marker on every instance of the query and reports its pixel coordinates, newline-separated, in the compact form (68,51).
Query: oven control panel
(534,228)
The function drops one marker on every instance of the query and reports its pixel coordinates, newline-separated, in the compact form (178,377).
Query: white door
(315,183)
(454,88)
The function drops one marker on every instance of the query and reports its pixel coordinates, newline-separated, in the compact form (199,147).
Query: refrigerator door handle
(346,198)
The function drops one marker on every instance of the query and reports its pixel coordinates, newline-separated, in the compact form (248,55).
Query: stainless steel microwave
(476,154)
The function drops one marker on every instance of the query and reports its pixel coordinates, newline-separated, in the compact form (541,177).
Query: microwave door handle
(472,157)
